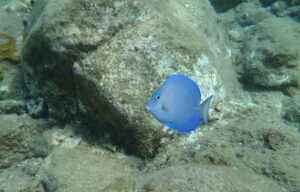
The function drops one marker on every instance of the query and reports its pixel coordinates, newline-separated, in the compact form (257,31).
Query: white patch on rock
(65,137)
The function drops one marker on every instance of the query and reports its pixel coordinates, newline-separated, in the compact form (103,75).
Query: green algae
(1,73)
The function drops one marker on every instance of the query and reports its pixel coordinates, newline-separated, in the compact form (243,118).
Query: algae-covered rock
(12,106)
(21,177)
(267,54)
(12,86)
(292,109)
(83,169)
(105,59)
(288,2)
(18,5)
(271,59)
(253,139)
(195,177)
(223,5)
(18,137)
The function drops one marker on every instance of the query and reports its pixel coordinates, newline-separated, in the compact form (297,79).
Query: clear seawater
(75,76)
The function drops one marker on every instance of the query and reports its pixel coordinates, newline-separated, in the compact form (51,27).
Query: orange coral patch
(7,50)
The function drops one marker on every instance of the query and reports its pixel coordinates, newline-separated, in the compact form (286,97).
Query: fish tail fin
(203,109)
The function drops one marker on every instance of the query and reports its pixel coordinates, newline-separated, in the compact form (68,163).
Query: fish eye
(157,97)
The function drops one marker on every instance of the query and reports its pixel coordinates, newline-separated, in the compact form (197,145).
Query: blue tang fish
(176,104)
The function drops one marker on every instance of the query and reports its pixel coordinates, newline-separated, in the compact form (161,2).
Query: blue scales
(176,104)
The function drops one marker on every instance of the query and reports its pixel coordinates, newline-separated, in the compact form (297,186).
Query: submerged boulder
(82,169)
(271,59)
(266,47)
(195,177)
(104,59)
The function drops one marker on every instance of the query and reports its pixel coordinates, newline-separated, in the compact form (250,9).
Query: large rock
(292,109)
(196,177)
(18,138)
(21,177)
(271,59)
(83,169)
(105,59)
(267,54)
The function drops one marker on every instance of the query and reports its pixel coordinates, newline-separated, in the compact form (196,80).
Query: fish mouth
(147,106)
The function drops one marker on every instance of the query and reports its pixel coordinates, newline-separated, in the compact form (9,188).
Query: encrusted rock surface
(83,169)
(266,59)
(266,53)
(21,177)
(113,55)
(18,136)
(195,177)
(105,59)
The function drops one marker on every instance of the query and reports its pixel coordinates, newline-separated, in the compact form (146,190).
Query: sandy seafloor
(252,142)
